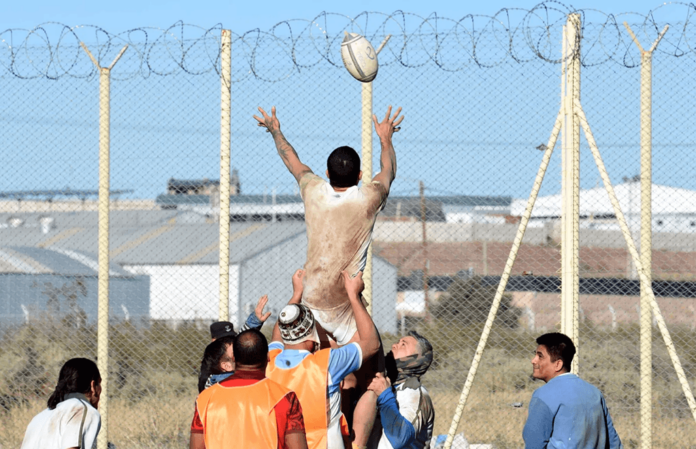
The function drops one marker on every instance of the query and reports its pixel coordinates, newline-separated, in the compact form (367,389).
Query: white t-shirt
(73,423)
(339,231)
(417,407)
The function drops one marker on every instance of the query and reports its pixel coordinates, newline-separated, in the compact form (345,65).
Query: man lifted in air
(340,217)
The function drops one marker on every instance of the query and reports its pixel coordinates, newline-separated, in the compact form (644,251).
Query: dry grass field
(154,383)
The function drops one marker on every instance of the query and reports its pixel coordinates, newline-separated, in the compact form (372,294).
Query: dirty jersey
(339,231)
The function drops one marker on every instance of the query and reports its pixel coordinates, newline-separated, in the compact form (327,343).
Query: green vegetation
(468,301)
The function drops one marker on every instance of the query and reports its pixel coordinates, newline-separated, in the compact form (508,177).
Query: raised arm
(367,332)
(256,318)
(285,150)
(387,161)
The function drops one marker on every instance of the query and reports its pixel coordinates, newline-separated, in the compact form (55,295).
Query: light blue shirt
(569,413)
(342,361)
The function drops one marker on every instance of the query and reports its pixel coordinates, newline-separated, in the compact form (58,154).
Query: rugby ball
(359,57)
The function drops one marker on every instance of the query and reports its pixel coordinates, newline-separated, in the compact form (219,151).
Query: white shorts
(339,322)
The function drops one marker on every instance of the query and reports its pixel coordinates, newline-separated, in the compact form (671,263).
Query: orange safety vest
(308,380)
(240,416)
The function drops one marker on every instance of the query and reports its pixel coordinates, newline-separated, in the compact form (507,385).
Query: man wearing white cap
(296,362)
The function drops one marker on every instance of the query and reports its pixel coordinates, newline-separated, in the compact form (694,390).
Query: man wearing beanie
(296,362)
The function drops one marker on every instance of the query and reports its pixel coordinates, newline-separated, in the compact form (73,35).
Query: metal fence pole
(646,237)
(570,184)
(366,178)
(225,163)
(103,258)
(644,279)
(366,122)
(503,280)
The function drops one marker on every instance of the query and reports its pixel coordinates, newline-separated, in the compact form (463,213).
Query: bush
(468,301)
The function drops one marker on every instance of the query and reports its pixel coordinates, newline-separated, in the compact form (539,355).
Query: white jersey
(417,408)
(73,423)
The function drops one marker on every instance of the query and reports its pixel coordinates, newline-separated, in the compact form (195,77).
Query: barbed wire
(512,35)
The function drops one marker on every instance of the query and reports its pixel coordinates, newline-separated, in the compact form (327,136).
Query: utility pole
(426,262)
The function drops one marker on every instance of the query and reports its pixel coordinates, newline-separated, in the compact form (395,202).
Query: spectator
(405,409)
(567,412)
(296,362)
(218,359)
(221,329)
(217,363)
(71,420)
(247,409)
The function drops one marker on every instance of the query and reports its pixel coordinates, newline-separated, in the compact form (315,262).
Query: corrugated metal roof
(64,220)
(65,262)
(454,200)
(173,200)
(147,237)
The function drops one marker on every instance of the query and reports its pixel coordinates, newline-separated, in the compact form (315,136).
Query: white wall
(186,292)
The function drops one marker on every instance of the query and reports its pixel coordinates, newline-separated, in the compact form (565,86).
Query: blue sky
(245,15)
(168,126)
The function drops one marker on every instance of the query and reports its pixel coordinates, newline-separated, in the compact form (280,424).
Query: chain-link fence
(480,97)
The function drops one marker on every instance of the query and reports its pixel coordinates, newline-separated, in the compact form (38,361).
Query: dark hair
(251,348)
(559,346)
(344,166)
(215,353)
(75,376)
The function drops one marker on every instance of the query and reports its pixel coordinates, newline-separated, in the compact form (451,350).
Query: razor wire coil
(52,50)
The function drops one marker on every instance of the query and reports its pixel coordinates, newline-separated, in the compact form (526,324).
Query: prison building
(177,252)
(673,209)
(39,283)
(283,207)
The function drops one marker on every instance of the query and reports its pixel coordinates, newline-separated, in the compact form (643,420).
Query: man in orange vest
(247,409)
(296,362)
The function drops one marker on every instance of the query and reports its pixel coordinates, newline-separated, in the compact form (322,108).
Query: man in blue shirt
(567,412)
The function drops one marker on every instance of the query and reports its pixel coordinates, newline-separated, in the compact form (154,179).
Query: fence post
(548,151)
(367,171)
(424,248)
(103,217)
(366,178)
(570,184)
(644,280)
(646,236)
(225,143)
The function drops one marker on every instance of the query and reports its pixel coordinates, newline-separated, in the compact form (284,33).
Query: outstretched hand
(270,122)
(389,125)
(258,311)
(354,285)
